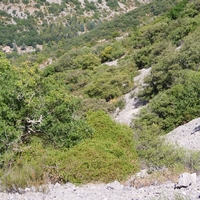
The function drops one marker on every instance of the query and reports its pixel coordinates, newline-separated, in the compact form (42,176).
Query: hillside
(31,23)
(56,103)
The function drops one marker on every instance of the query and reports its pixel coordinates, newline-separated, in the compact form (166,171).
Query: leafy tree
(88,61)
(112,52)
(175,106)
(32,106)
(175,11)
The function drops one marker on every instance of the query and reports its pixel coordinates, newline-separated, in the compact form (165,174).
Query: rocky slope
(21,9)
(186,136)
(132,103)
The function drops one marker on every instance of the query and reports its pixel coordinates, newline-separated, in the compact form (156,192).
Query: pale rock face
(55,1)
(186,180)
(186,136)
(133,103)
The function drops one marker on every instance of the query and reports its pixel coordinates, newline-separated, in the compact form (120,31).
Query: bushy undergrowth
(172,90)
(108,156)
(175,106)
(154,152)
(167,110)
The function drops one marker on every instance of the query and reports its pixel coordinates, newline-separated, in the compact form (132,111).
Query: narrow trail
(132,103)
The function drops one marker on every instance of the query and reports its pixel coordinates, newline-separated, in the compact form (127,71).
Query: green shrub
(25,2)
(120,103)
(175,11)
(112,4)
(154,152)
(35,106)
(112,52)
(95,105)
(87,61)
(175,106)
(108,156)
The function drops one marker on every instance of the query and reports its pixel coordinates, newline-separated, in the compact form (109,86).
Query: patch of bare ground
(132,103)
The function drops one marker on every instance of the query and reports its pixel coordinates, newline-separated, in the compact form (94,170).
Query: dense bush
(171,64)
(174,13)
(34,106)
(110,155)
(175,106)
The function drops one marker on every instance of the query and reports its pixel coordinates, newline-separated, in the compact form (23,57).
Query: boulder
(186,180)
(114,185)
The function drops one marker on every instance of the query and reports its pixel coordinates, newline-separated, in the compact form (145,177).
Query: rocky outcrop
(186,180)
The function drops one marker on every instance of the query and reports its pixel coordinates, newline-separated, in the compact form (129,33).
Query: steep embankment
(187,135)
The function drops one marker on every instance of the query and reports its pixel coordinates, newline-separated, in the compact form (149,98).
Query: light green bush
(110,155)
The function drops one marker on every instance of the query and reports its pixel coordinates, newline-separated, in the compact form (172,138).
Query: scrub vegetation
(55,117)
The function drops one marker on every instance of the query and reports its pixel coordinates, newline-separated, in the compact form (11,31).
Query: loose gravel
(111,191)
(187,135)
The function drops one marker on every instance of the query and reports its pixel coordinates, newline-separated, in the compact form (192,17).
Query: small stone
(115,185)
(57,185)
(33,189)
(27,189)
(21,191)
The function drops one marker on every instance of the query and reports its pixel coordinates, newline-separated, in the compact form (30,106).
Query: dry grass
(154,178)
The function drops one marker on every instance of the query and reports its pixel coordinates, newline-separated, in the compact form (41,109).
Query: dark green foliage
(77,58)
(37,5)
(161,6)
(33,106)
(25,1)
(90,5)
(108,156)
(25,32)
(141,58)
(174,13)
(55,8)
(176,105)
(112,3)
(4,13)
(169,66)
